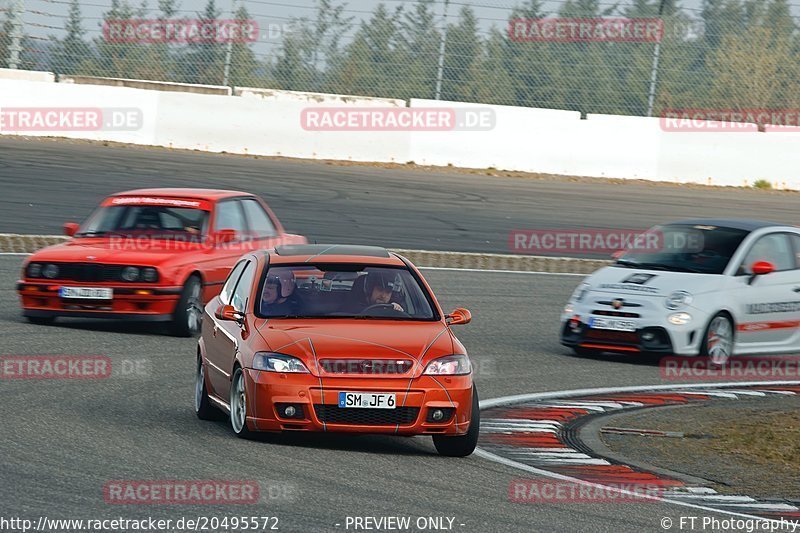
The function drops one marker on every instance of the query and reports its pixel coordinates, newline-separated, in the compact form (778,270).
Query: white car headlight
(450,365)
(277,362)
(677,300)
(679,319)
(579,292)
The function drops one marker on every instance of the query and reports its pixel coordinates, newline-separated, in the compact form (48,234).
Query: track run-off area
(64,441)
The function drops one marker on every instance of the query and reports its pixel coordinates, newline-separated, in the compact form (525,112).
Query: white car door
(768,306)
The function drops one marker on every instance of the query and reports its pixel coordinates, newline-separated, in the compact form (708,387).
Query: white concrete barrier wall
(730,158)
(59,96)
(279,95)
(268,123)
(265,127)
(27,75)
(522,139)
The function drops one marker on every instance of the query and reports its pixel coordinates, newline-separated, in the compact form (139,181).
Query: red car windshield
(340,291)
(149,221)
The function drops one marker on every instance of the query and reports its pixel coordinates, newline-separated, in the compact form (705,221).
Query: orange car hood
(119,251)
(353,339)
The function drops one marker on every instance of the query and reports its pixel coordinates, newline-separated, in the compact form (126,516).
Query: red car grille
(89,272)
(628,337)
(333,414)
(366,366)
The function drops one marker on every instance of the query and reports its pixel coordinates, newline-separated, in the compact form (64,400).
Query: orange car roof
(200,194)
(333,253)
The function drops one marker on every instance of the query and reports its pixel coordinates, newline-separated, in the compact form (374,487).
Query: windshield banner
(190,203)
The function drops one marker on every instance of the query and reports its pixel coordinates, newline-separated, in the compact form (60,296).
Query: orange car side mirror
(71,228)
(458,316)
(229,313)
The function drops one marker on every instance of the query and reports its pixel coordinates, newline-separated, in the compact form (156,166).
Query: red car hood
(357,339)
(116,251)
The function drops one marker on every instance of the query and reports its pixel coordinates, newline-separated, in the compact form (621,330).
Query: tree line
(728,54)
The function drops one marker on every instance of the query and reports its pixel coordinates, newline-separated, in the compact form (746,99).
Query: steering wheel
(383,307)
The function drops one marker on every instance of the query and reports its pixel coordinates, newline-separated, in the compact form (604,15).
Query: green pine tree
(461,61)
(245,68)
(372,64)
(71,51)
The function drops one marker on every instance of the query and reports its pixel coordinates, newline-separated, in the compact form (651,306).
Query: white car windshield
(698,248)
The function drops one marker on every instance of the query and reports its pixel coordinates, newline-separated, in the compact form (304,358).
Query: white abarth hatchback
(714,288)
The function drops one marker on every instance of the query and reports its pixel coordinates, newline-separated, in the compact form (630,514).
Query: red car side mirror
(760,268)
(458,316)
(71,228)
(225,236)
(229,313)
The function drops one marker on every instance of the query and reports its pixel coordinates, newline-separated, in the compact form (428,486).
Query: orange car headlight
(278,362)
(450,365)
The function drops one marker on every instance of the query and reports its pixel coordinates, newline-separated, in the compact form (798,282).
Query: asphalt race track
(63,440)
(48,182)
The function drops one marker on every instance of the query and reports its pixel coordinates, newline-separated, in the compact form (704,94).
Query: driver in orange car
(278,296)
(377,291)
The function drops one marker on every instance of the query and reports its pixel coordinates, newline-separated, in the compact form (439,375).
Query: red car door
(228,215)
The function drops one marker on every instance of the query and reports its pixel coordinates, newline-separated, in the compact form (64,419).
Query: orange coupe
(335,338)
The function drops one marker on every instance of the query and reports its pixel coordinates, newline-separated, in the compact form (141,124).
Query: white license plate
(614,324)
(366,400)
(86,293)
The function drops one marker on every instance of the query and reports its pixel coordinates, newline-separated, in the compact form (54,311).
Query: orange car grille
(366,366)
(333,414)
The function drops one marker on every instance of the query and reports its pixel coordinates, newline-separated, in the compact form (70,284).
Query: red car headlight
(278,362)
(450,365)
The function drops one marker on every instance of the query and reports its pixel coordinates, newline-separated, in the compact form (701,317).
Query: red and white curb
(528,432)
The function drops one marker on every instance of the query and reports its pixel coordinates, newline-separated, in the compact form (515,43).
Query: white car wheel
(718,341)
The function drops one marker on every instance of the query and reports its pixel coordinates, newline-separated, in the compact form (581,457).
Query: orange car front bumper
(316,402)
(137,303)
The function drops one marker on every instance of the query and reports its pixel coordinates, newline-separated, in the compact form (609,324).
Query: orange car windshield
(343,291)
(146,221)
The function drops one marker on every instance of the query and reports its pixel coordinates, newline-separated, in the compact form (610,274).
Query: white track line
(557,395)
(521,398)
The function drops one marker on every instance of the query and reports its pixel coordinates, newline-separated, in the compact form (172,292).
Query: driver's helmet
(274,280)
(380,279)
(287,280)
